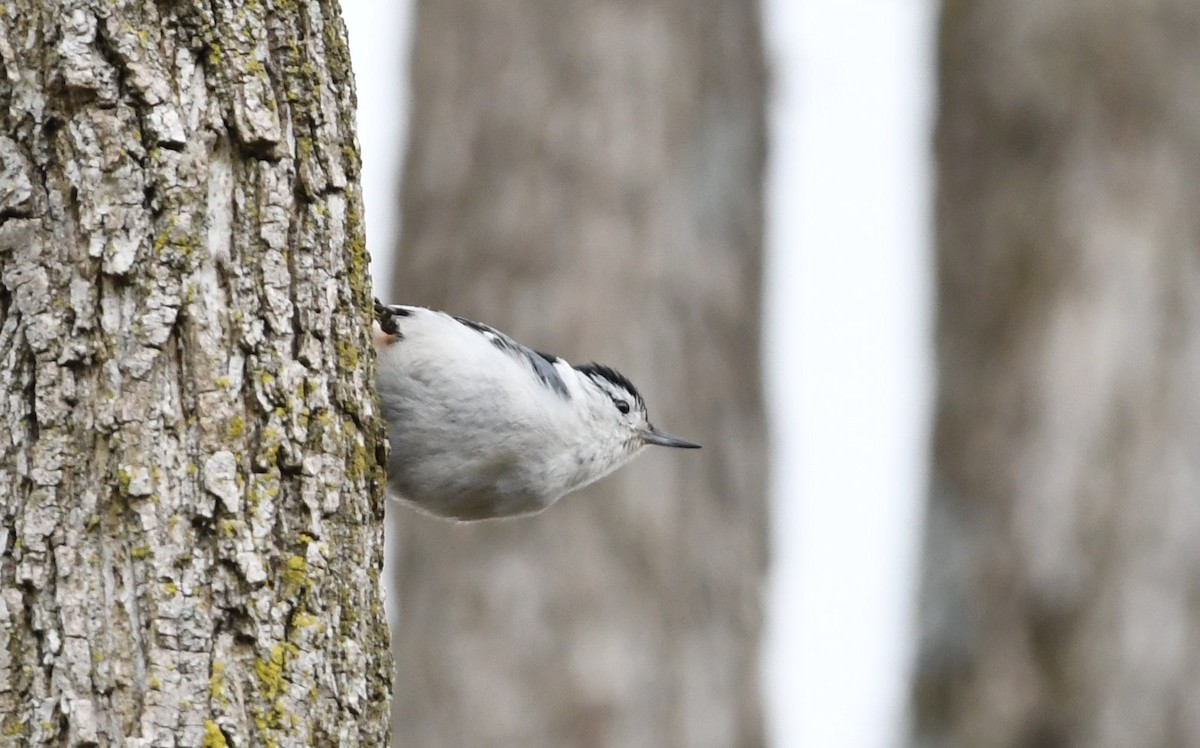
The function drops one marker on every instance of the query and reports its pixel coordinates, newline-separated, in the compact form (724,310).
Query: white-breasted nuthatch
(481,426)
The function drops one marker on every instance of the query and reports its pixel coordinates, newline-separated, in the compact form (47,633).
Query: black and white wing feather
(541,363)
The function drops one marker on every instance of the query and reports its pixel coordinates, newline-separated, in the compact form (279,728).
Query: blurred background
(921,279)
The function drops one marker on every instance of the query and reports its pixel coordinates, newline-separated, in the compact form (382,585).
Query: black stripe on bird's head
(613,382)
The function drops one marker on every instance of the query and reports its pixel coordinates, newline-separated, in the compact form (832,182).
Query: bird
(483,427)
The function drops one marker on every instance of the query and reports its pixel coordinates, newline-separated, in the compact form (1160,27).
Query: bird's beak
(652,435)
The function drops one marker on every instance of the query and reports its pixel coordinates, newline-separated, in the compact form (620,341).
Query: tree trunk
(1062,558)
(588,176)
(189,477)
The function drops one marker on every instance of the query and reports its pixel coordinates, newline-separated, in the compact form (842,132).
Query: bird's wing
(541,363)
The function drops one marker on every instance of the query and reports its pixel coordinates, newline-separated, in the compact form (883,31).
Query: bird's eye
(622,406)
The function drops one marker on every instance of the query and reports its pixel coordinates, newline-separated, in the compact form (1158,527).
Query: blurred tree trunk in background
(190,504)
(588,176)
(1063,551)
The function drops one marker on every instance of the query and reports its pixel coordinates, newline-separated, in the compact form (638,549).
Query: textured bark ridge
(190,498)
(587,176)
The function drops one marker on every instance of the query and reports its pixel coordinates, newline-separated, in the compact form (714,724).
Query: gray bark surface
(190,497)
(587,176)
(1062,561)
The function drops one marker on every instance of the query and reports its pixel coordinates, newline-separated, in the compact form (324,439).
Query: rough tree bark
(587,175)
(190,540)
(1062,557)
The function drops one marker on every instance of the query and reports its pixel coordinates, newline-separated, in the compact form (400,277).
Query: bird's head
(620,412)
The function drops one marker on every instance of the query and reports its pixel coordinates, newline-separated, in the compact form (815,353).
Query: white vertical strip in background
(380,40)
(849,370)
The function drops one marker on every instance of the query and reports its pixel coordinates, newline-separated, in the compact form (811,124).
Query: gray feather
(542,363)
